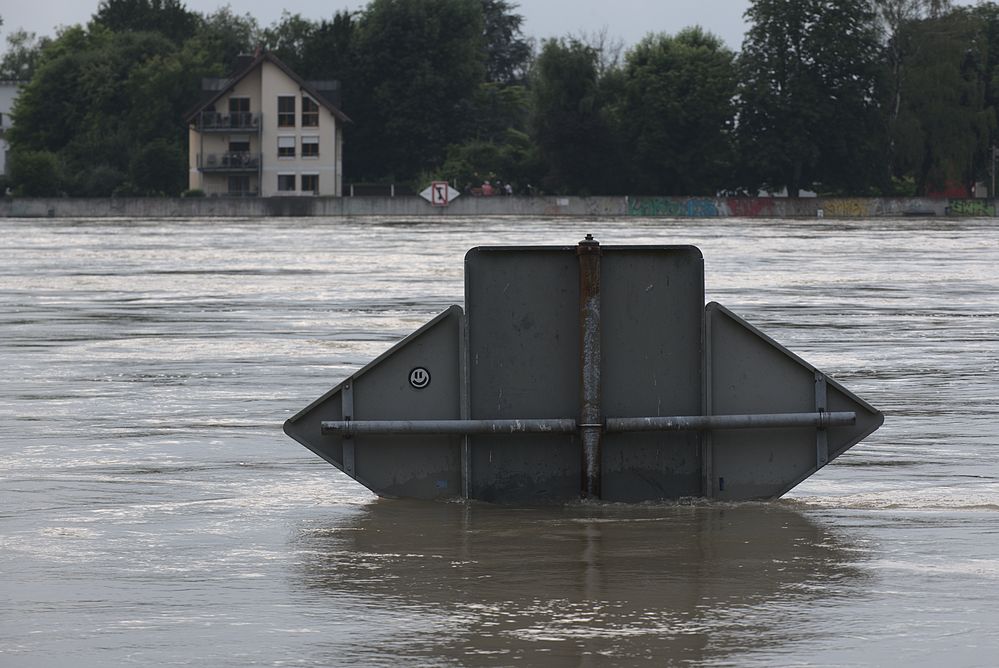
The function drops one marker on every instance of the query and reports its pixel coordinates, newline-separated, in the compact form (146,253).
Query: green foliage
(314,50)
(220,38)
(167,17)
(571,125)
(35,173)
(99,98)
(98,95)
(807,114)
(944,127)
(158,168)
(508,54)
(511,160)
(677,102)
(99,181)
(417,67)
(23,51)
(841,96)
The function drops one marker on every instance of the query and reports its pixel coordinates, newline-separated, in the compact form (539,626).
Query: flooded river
(153,513)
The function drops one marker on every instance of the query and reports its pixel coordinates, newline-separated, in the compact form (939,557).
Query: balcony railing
(212,121)
(231,161)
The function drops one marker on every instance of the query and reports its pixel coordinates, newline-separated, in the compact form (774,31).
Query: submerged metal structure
(584,371)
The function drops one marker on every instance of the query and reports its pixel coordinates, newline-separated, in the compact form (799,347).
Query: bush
(35,173)
(100,181)
(157,168)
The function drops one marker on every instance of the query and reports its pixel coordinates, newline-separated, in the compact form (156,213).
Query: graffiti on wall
(749,207)
(669,207)
(972,207)
(849,208)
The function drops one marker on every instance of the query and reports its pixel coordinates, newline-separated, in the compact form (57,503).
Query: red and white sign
(440,193)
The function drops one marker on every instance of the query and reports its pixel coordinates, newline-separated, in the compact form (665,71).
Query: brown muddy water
(153,513)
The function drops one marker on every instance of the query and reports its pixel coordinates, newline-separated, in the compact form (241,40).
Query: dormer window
(310,113)
(286,111)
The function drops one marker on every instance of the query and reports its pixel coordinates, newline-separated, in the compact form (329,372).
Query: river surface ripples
(153,513)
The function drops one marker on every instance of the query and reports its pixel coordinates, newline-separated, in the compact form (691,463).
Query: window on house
(310,183)
(239,112)
(310,113)
(239,185)
(310,147)
(286,111)
(239,145)
(286,183)
(286,147)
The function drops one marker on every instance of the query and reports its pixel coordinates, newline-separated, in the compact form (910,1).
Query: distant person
(487,189)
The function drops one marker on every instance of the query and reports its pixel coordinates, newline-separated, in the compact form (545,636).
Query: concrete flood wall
(470,207)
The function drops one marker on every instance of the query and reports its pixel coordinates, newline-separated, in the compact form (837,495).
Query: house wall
(275,83)
(201,146)
(263,86)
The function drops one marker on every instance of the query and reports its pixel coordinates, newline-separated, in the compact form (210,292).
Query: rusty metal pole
(590,418)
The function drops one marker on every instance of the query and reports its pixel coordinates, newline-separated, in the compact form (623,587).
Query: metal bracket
(347,405)
(821,435)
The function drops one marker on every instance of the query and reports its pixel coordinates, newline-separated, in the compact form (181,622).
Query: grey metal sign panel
(750,373)
(524,361)
(523,357)
(584,371)
(417,379)
(652,303)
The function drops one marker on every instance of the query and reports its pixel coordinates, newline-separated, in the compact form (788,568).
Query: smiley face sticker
(419,378)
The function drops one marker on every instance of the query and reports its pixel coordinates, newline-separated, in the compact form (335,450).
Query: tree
(23,51)
(571,124)
(35,173)
(288,38)
(157,168)
(507,52)
(99,98)
(895,17)
(944,126)
(167,17)
(678,102)
(807,113)
(329,54)
(221,37)
(417,66)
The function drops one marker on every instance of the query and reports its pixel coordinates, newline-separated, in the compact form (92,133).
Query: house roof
(251,66)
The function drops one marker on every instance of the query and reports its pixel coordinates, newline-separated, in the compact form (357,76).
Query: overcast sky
(627,20)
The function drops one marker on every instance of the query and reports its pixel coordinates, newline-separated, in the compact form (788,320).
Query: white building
(8,93)
(266,132)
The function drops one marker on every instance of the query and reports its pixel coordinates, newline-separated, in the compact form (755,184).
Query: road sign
(439,193)
(584,370)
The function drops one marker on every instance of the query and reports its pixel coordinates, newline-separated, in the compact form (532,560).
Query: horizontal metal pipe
(566,425)
(706,422)
(544,426)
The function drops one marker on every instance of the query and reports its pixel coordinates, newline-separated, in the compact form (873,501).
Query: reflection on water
(679,583)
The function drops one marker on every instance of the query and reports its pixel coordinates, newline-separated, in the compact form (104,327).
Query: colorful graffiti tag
(749,207)
(849,208)
(668,207)
(972,207)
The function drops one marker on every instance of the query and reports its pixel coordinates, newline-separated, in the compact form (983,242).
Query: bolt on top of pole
(588,245)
